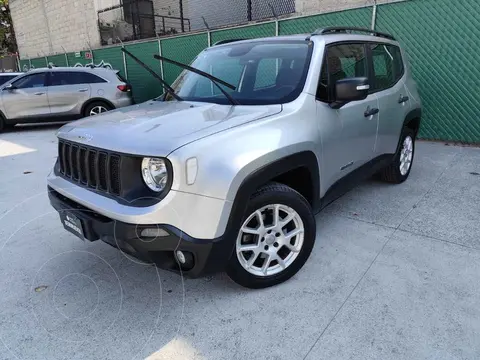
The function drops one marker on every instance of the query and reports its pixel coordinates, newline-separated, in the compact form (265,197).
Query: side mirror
(9,87)
(352,89)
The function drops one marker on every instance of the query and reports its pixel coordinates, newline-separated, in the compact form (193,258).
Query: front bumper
(199,216)
(209,256)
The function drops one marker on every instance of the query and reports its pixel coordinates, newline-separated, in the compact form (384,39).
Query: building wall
(43,26)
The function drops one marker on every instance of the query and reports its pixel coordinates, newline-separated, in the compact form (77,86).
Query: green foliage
(8,42)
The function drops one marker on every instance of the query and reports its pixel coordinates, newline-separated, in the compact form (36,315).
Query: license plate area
(72,224)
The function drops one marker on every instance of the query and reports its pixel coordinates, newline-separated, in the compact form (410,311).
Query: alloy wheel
(406,155)
(270,240)
(98,110)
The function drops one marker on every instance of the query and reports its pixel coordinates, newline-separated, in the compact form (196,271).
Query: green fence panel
(357,17)
(244,32)
(144,85)
(73,60)
(39,63)
(24,65)
(441,39)
(110,57)
(57,60)
(183,49)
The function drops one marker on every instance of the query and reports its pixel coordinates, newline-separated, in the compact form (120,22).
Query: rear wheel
(2,124)
(399,170)
(96,108)
(275,240)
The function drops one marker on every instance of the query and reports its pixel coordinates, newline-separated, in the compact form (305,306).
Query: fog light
(180,257)
(153,233)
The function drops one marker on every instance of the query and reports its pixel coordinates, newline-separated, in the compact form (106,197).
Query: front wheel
(275,240)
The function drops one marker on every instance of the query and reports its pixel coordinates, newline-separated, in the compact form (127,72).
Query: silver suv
(61,93)
(227,169)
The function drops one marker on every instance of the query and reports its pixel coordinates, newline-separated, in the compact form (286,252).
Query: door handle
(83,90)
(371,111)
(39,93)
(403,99)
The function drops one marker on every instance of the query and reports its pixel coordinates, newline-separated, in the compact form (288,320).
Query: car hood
(157,128)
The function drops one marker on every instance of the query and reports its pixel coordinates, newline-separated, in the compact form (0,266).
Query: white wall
(46,25)
(108,16)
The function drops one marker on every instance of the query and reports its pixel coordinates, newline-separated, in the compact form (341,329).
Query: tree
(8,42)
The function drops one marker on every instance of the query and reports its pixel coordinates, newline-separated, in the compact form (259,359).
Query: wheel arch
(272,171)
(96,99)
(413,120)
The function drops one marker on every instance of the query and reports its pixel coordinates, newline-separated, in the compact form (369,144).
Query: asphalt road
(395,274)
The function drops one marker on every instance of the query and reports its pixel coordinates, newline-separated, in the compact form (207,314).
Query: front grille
(96,169)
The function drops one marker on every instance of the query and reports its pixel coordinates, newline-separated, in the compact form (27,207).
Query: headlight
(154,172)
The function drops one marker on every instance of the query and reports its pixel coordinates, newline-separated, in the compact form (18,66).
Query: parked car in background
(5,77)
(61,93)
(227,170)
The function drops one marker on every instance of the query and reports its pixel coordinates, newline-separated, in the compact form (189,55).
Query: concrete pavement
(395,274)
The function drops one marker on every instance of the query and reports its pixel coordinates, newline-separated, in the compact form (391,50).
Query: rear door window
(387,66)
(61,78)
(88,78)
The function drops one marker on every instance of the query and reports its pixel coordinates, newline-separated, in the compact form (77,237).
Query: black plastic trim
(332,30)
(354,178)
(411,116)
(261,177)
(208,254)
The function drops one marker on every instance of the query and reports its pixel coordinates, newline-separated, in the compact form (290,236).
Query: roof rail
(344,30)
(221,42)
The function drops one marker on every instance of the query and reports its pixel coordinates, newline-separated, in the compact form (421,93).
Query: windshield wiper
(165,85)
(212,78)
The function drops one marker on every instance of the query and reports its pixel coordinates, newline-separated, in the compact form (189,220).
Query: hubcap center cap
(270,239)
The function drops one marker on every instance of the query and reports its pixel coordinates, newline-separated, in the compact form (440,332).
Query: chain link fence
(142,19)
(440,40)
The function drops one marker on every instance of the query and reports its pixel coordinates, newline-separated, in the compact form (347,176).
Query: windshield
(262,73)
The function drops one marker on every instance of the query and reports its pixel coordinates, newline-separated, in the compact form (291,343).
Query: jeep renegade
(226,170)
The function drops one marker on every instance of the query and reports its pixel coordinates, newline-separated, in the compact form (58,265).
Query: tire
(100,105)
(281,248)
(2,124)
(394,173)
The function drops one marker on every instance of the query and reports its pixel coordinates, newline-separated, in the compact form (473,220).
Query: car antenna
(212,78)
(165,85)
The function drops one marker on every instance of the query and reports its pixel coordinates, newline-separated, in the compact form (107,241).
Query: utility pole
(249,10)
